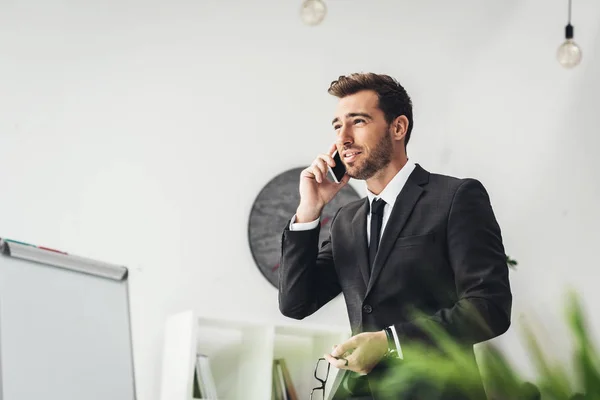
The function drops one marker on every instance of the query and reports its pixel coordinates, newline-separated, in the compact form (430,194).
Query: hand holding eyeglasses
(361,353)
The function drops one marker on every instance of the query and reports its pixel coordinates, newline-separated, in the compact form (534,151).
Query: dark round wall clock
(272,210)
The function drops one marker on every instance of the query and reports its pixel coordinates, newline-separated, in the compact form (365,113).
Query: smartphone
(339,170)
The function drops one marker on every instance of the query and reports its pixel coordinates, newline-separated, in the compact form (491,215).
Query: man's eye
(336,127)
(356,121)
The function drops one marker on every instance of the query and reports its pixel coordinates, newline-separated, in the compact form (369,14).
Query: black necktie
(376,222)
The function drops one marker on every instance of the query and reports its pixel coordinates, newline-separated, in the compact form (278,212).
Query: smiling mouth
(351,156)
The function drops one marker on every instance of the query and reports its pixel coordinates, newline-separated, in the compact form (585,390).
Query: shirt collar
(394,187)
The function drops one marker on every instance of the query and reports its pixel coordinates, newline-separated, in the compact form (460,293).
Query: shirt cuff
(303,226)
(397,341)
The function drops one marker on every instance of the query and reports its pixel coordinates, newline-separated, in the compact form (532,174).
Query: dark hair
(393,99)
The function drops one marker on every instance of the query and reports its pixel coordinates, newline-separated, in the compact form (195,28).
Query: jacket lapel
(405,203)
(359,236)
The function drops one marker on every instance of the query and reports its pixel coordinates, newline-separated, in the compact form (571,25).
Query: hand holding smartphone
(316,191)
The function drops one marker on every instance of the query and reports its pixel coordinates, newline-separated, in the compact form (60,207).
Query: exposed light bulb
(313,12)
(569,54)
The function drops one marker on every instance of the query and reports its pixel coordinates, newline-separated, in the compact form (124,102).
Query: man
(418,241)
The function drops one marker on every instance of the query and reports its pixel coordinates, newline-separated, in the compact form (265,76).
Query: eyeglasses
(321,374)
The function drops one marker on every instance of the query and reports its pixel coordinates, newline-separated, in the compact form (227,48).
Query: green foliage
(446,360)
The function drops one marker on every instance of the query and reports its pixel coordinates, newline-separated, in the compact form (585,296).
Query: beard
(377,159)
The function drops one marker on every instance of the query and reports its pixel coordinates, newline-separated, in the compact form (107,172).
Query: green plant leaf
(511,263)
(444,360)
(585,356)
(553,380)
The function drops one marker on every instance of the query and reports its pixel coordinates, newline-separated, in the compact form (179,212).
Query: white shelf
(241,355)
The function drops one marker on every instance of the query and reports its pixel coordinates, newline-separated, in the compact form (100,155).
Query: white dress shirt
(389,195)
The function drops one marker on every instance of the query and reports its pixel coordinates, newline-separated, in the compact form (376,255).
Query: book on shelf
(276,393)
(196,389)
(283,387)
(204,382)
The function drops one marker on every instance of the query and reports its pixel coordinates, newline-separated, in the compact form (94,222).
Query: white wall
(120,122)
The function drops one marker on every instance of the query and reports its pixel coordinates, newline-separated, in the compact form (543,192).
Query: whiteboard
(65,330)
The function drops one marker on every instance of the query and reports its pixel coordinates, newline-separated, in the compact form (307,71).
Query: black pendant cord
(569,28)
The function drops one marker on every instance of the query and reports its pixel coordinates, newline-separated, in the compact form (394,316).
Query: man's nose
(345,137)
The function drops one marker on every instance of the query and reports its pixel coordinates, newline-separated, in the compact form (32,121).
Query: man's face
(363,135)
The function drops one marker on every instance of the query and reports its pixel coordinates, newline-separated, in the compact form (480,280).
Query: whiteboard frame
(63,260)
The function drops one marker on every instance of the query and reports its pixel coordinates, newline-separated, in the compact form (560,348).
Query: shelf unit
(241,354)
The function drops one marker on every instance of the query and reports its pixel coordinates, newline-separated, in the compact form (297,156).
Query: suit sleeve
(307,276)
(477,258)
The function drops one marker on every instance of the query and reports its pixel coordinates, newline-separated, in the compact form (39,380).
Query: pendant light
(569,53)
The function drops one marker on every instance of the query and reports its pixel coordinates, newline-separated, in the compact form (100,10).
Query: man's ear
(399,127)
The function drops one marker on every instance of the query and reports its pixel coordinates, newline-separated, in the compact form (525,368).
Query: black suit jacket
(441,253)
